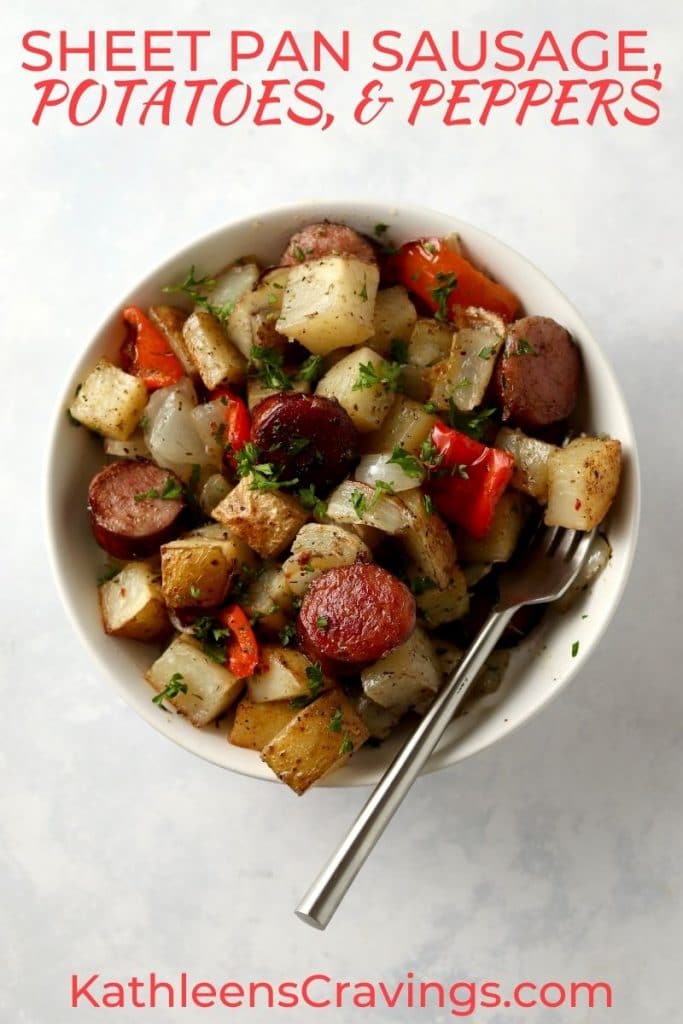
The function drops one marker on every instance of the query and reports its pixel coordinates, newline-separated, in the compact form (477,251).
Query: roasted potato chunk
(407,424)
(583,479)
(394,319)
(256,725)
(132,604)
(267,521)
(438,605)
(207,688)
(321,738)
(428,541)
(367,406)
(329,303)
(284,674)
(318,547)
(404,676)
(215,358)
(109,401)
(268,600)
(198,571)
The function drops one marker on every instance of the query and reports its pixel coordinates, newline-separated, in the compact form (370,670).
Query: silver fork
(542,573)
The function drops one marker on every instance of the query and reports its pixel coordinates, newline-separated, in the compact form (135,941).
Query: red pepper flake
(577,504)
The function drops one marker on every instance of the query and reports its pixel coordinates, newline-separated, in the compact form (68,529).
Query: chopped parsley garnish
(299,254)
(264,476)
(211,637)
(359,503)
(464,382)
(364,290)
(195,591)
(314,675)
(381,229)
(311,369)
(486,352)
(195,289)
(524,348)
(381,487)
(346,745)
(441,294)
(336,721)
(287,634)
(310,500)
(575,648)
(430,455)
(428,504)
(399,351)
(174,686)
(410,464)
(297,444)
(388,374)
(429,247)
(268,363)
(171,490)
(472,424)
(322,622)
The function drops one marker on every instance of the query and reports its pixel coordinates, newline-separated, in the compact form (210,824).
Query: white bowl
(539,667)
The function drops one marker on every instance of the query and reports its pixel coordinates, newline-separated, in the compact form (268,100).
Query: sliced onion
(233,283)
(384,512)
(170,433)
(214,490)
(207,419)
(376,467)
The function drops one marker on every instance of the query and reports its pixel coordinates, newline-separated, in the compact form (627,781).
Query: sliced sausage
(536,378)
(308,436)
(326,239)
(130,528)
(354,615)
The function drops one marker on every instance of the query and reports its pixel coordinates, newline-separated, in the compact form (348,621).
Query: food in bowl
(316,467)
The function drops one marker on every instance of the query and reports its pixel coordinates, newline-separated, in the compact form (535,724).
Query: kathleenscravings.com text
(322,992)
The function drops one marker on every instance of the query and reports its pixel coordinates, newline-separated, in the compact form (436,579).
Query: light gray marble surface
(554,855)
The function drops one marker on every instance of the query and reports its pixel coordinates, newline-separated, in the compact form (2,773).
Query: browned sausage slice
(355,615)
(536,378)
(310,437)
(130,528)
(326,239)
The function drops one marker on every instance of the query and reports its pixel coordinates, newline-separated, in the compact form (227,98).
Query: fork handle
(322,899)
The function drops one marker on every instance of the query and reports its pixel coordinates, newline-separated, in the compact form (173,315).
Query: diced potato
(232,283)
(132,604)
(253,321)
(134,448)
(405,675)
(267,521)
(501,540)
(380,722)
(367,406)
(198,571)
(394,320)
(268,599)
(356,503)
(407,424)
(169,320)
(321,738)
(329,303)
(583,480)
(256,725)
(215,358)
(466,375)
(211,688)
(257,391)
(318,547)
(430,342)
(109,401)
(531,462)
(445,604)
(428,540)
(282,675)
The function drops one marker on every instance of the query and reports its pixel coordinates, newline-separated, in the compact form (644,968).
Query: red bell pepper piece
(443,280)
(468,479)
(237,422)
(147,353)
(243,651)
